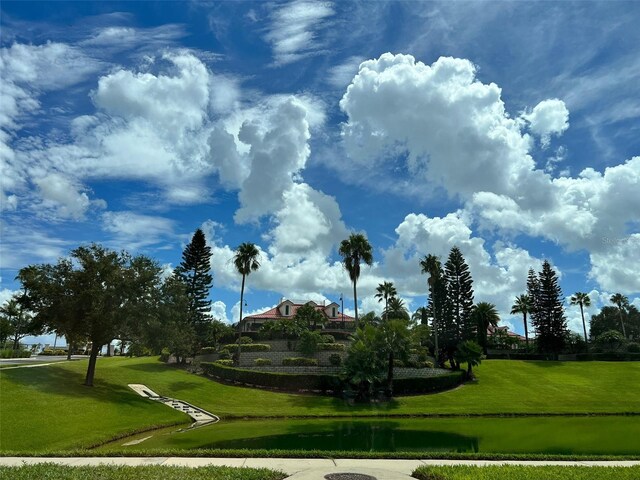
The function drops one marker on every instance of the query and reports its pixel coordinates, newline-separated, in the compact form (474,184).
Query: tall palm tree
(523,305)
(396,309)
(582,299)
(246,260)
(385,291)
(621,302)
(484,314)
(354,250)
(420,316)
(431,265)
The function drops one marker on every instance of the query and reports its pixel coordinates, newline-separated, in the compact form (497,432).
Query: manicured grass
(518,472)
(47,408)
(51,471)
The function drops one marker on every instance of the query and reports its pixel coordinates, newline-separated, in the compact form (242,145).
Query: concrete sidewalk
(298,468)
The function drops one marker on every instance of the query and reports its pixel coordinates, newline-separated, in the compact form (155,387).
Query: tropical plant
(524,306)
(364,366)
(622,303)
(394,340)
(246,260)
(354,250)
(484,315)
(609,319)
(582,299)
(396,309)
(469,352)
(420,316)
(385,291)
(308,315)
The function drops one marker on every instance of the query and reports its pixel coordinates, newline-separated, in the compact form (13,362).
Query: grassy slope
(70,414)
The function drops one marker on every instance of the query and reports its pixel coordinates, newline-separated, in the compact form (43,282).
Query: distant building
(288,308)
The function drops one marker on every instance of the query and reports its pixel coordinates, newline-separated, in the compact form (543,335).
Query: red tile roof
(274,313)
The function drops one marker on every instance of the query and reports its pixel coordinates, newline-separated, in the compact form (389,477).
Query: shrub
(248,347)
(10,353)
(261,362)
(609,357)
(337,347)
(299,362)
(308,343)
(610,341)
(224,354)
(207,350)
(244,340)
(328,338)
(165,354)
(633,347)
(226,363)
(50,352)
(399,364)
(335,359)
(428,384)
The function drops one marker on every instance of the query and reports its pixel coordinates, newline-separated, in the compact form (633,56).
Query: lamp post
(342,308)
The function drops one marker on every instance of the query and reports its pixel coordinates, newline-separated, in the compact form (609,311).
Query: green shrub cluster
(609,356)
(299,362)
(335,359)
(633,347)
(335,347)
(207,350)
(224,354)
(328,338)
(428,384)
(413,364)
(261,362)
(244,340)
(283,381)
(11,353)
(228,363)
(165,354)
(50,352)
(248,347)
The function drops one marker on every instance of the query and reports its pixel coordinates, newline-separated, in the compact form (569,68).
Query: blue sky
(509,129)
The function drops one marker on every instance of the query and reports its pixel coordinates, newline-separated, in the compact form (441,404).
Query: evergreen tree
(549,319)
(533,292)
(194,272)
(459,286)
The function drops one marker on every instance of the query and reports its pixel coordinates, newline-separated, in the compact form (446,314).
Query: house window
(286,309)
(333,312)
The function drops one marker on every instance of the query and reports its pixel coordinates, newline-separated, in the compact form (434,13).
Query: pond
(606,435)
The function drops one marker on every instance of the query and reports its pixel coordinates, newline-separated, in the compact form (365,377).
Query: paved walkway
(297,468)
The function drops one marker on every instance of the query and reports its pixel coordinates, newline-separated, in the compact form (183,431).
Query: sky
(509,129)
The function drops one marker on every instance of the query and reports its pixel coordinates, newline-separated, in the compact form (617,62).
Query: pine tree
(548,317)
(194,272)
(459,304)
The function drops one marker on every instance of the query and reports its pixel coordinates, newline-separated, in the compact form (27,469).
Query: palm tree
(431,265)
(420,316)
(484,314)
(385,291)
(395,340)
(582,299)
(396,309)
(354,250)
(523,305)
(621,302)
(246,260)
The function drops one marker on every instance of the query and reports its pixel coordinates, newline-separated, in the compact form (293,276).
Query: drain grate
(349,476)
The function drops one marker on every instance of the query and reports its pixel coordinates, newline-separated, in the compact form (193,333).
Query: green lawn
(517,472)
(48,408)
(51,471)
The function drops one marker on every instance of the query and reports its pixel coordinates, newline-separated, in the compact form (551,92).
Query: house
(503,336)
(288,308)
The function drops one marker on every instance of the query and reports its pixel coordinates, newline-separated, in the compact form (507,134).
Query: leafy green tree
(421,316)
(622,303)
(609,319)
(396,309)
(308,342)
(364,367)
(523,305)
(354,251)
(195,272)
(308,315)
(582,299)
(469,352)
(385,291)
(103,291)
(432,266)
(217,331)
(394,339)
(19,322)
(611,341)
(246,260)
(175,329)
(485,315)
(548,317)
(5,330)
(421,335)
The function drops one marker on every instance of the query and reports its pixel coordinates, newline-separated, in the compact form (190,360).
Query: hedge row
(249,347)
(325,382)
(300,362)
(10,353)
(609,356)
(520,356)
(336,347)
(283,381)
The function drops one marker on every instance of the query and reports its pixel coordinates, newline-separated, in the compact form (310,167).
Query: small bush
(226,363)
(224,354)
(50,352)
(244,340)
(10,353)
(335,359)
(328,338)
(248,347)
(633,347)
(207,350)
(308,343)
(261,362)
(165,354)
(299,362)
(428,384)
(336,347)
